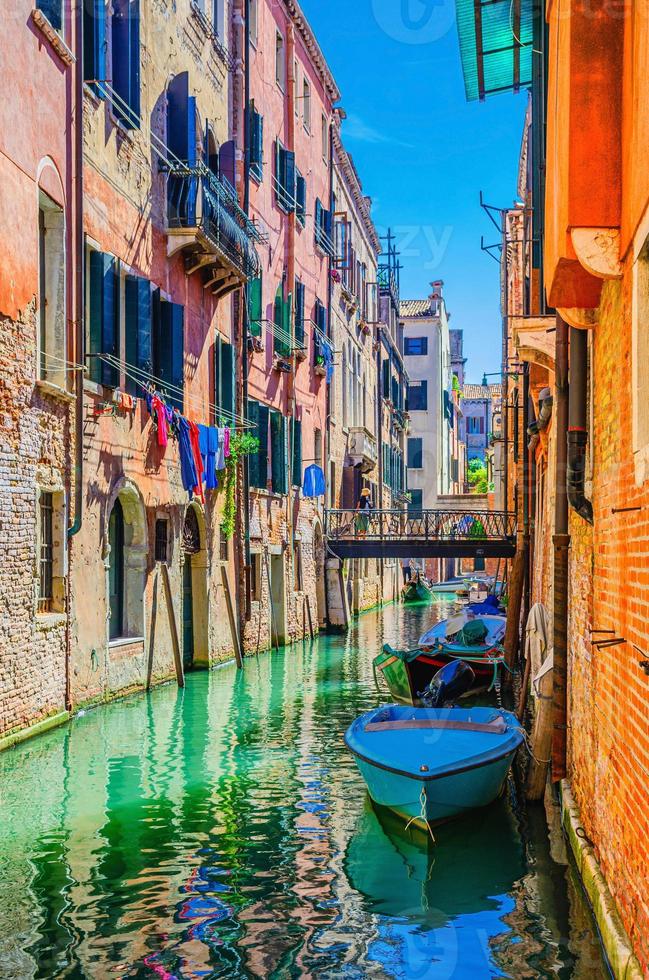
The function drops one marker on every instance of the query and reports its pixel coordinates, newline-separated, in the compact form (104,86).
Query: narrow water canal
(223,831)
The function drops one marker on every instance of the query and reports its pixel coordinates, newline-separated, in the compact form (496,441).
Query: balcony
(362,448)
(205,222)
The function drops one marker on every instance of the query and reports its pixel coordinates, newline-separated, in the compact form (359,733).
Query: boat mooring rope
(423,815)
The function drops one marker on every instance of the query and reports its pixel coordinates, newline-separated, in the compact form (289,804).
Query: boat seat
(496,727)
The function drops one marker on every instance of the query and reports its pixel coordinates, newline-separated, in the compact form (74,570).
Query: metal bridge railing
(422,525)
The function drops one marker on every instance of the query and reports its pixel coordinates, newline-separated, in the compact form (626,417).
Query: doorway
(188,614)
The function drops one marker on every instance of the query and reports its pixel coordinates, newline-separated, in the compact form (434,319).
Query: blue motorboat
(431,764)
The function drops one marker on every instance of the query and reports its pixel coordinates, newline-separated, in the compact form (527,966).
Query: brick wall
(609,589)
(34,441)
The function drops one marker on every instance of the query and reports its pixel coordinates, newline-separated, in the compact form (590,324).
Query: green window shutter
(103,317)
(299,311)
(300,197)
(385,387)
(258,462)
(287,317)
(252,415)
(318,221)
(254,307)
(289,180)
(171,351)
(279,453)
(297,453)
(138,309)
(223,380)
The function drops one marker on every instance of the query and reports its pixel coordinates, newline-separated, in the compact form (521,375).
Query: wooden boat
(417,590)
(408,672)
(432,764)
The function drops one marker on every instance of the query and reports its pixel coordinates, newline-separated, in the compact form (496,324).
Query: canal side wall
(36,455)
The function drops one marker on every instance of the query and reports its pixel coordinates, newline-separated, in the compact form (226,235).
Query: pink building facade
(290,359)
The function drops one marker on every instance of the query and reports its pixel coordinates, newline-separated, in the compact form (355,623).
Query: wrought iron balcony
(362,447)
(205,221)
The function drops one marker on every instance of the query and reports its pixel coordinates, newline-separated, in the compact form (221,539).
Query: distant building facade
(482,417)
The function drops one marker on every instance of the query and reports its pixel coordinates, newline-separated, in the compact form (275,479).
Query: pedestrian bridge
(461,533)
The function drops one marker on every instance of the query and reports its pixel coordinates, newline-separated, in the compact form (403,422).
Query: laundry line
(144,378)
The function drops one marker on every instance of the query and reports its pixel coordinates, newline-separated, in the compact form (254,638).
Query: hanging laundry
(220,455)
(198,460)
(209,444)
(314,482)
(226,443)
(160,410)
(188,472)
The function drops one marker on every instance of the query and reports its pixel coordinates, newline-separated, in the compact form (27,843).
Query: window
(296,86)
(224,385)
(416,501)
(284,178)
(323,228)
(125,51)
(297,567)
(51,291)
(161,539)
(138,327)
(255,314)
(321,316)
(53,10)
(254,21)
(279,453)
(296,464)
(256,137)
(415,345)
(418,396)
(94,45)
(218,17)
(306,104)
(324,130)
(300,198)
(455,471)
(385,380)
(46,558)
(280,61)
(475,425)
(102,317)
(282,325)
(169,344)
(258,462)
(116,571)
(299,311)
(255,577)
(224,548)
(415,454)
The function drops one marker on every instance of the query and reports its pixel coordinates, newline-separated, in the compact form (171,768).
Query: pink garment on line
(158,407)
(194,438)
(226,442)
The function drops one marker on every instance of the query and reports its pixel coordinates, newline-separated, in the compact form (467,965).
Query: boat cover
(425,753)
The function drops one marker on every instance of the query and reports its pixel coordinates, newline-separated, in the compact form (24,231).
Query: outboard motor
(451,682)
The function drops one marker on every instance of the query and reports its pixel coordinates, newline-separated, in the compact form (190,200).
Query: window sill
(49,620)
(43,25)
(125,641)
(54,390)
(269,494)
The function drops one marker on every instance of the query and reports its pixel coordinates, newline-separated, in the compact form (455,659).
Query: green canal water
(223,831)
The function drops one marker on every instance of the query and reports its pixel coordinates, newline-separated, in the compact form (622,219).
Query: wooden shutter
(138,310)
(126,61)
(94,44)
(279,454)
(227,162)
(318,221)
(348,496)
(181,138)
(53,11)
(103,317)
(300,197)
(299,311)
(227,380)
(386,378)
(253,460)
(289,179)
(254,307)
(171,351)
(297,453)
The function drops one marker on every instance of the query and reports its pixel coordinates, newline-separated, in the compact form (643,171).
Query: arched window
(116,571)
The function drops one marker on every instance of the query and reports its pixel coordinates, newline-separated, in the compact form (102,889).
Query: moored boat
(431,764)
(417,590)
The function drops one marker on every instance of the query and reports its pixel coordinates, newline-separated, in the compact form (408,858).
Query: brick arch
(48,179)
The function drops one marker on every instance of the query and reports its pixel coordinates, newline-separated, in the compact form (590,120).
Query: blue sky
(423,153)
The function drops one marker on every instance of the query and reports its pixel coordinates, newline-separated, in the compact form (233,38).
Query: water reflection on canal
(224,831)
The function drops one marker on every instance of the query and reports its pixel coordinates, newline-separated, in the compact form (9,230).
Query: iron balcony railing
(199,199)
(423,525)
(387,281)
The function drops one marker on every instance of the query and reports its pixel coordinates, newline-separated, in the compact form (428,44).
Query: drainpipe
(79,341)
(561,541)
(290,288)
(578,425)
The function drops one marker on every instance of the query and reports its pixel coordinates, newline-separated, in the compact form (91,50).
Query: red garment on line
(194,438)
(158,407)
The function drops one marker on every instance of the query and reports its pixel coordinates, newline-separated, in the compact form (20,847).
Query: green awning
(495,45)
